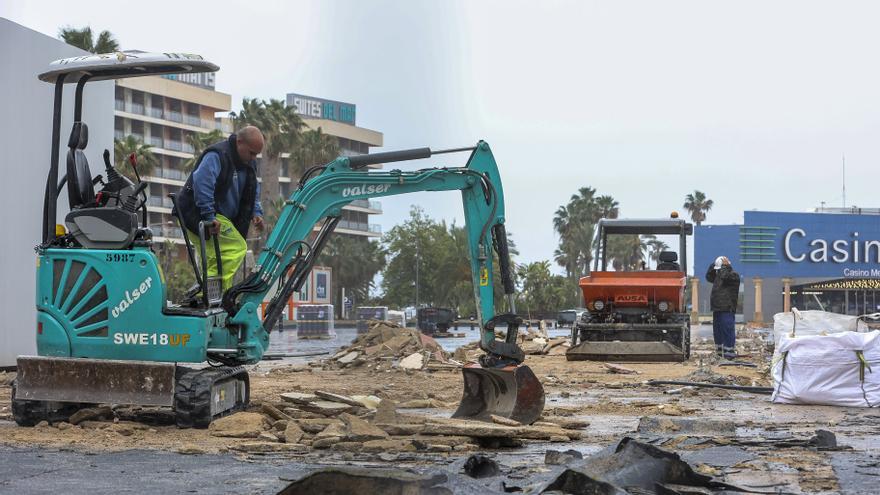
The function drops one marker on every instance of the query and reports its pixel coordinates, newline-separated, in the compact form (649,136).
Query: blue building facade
(829,260)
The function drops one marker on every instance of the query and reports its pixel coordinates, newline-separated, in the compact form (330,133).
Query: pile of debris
(300,422)
(388,346)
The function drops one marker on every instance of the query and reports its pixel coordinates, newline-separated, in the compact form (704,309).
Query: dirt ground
(614,404)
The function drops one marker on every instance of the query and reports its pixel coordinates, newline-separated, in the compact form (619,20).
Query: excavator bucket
(512,392)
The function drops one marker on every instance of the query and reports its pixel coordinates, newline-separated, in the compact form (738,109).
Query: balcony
(118,134)
(223,126)
(188,148)
(160,201)
(363,203)
(171,144)
(137,108)
(374,228)
(157,113)
(192,120)
(175,116)
(169,173)
(119,105)
(156,141)
(168,231)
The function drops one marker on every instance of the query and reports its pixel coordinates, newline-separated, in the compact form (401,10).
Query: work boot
(729,353)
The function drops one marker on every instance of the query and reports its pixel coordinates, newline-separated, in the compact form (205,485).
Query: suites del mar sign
(860,254)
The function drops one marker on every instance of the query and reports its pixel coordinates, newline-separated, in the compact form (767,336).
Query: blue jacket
(204,180)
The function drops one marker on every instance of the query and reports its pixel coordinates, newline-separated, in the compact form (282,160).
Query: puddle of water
(287,342)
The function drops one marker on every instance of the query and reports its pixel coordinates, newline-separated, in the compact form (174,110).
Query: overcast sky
(753,103)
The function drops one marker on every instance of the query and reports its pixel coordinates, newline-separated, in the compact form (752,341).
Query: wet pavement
(738,437)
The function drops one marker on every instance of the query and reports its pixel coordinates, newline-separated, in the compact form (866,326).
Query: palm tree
(315,148)
(146,160)
(655,246)
(281,128)
(199,141)
(82,38)
(626,252)
(607,207)
(698,205)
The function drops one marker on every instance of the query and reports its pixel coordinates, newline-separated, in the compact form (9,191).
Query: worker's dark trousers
(724,332)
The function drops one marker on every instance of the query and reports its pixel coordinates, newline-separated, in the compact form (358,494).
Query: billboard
(320,108)
(779,244)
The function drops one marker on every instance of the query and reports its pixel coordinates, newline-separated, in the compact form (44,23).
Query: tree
(315,148)
(698,205)
(542,293)
(281,128)
(199,141)
(415,246)
(575,224)
(355,262)
(626,252)
(440,255)
(82,38)
(146,160)
(655,246)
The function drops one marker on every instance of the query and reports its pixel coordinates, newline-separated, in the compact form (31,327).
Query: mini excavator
(106,334)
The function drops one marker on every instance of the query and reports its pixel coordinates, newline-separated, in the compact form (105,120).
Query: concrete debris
(386,343)
(616,368)
(414,361)
(90,413)
(368,401)
(386,412)
(351,356)
(298,398)
(358,430)
(292,432)
(505,421)
(342,399)
(239,425)
(273,412)
(325,407)
(266,447)
(269,437)
(191,449)
(691,426)
(478,429)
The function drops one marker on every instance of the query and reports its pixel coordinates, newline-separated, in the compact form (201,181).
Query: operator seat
(80,188)
(668,261)
(92,226)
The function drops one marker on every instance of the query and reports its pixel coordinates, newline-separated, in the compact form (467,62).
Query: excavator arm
(499,384)
(289,251)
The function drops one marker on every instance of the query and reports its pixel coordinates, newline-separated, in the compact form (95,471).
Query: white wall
(25,138)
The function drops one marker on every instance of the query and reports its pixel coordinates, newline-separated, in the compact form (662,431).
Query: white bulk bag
(814,323)
(840,369)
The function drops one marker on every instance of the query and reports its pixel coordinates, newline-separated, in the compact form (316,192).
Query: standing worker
(723,301)
(222,191)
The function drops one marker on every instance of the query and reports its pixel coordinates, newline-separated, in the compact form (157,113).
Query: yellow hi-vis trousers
(232,250)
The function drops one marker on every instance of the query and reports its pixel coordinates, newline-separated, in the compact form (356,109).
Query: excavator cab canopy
(672,226)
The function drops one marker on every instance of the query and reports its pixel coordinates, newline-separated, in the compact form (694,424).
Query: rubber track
(31,412)
(192,394)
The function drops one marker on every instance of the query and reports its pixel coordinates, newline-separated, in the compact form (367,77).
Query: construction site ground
(736,437)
